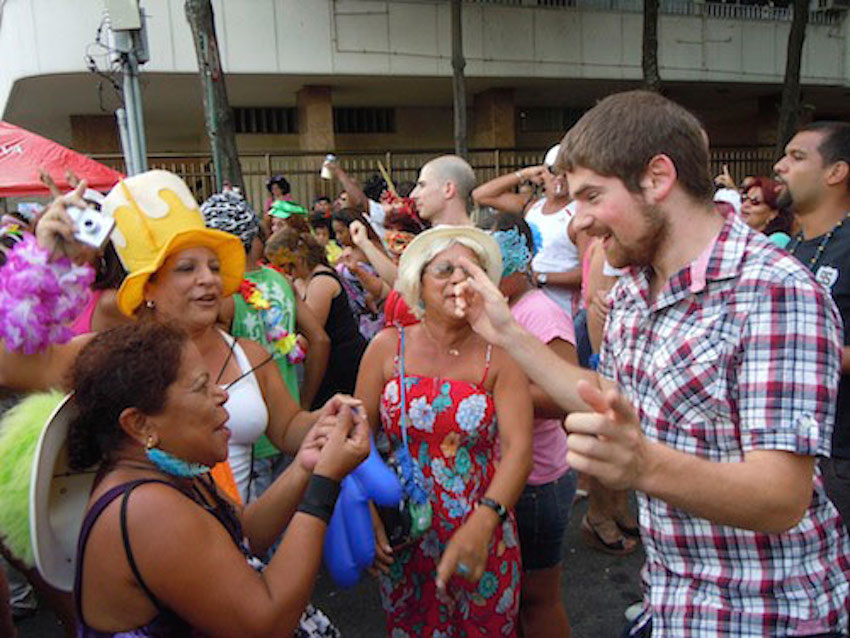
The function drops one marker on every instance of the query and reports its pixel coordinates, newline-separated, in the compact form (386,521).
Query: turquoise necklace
(821,247)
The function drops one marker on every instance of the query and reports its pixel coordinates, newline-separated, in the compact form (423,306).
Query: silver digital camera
(93,228)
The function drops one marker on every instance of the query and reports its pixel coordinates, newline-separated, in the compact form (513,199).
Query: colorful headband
(12,230)
(516,256)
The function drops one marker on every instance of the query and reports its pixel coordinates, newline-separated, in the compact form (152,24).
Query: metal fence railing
(301,168)
(718,10)
(757,160)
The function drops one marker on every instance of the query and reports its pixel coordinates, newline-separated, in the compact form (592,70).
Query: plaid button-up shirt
(740,351)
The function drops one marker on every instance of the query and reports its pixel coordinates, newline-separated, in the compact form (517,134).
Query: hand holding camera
(70,223)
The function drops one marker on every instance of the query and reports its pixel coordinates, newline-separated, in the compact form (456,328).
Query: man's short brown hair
(619,136)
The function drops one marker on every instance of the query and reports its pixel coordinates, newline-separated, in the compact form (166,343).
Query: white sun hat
(58,499)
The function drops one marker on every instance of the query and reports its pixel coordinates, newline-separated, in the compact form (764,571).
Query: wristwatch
(497,507)
(542,278)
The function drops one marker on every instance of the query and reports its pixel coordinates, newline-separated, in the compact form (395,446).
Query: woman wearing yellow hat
(178,272)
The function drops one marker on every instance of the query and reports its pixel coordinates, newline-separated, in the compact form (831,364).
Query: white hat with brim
(729,196)
(58,500)
(423,241)
(552,155)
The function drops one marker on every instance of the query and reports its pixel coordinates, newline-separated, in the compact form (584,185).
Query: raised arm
(499,193)
(786,371)
(379,259)
(49,367)
(768,491)
(356,197)
(487,311)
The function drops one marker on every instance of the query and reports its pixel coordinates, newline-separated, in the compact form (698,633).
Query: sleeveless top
(82,324)
(249,418)
(166,624)
(452,433)
(347,346)
(558,253)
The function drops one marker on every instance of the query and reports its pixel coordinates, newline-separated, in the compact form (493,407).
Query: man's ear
(449,189)
(136,425)
(658,179)
(838,173)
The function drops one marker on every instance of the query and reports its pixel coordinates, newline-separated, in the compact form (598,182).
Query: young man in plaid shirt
(716,391)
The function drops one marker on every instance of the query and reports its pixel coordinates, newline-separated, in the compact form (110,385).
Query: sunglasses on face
(445,269)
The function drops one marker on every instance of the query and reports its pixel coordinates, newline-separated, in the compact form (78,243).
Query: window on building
(263,119)
(547,119)
(364,120)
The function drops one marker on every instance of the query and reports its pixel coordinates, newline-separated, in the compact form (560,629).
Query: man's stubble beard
(647,246)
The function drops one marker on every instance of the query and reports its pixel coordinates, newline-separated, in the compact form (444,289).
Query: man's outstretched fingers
(620,406)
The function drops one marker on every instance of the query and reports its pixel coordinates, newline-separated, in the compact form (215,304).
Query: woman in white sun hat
(450,406)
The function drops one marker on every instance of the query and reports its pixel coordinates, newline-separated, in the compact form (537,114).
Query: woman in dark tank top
(162,552)
(324,293)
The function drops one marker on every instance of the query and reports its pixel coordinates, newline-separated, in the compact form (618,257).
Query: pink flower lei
(38,297)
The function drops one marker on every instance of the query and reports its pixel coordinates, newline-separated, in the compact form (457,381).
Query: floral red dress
(452,433)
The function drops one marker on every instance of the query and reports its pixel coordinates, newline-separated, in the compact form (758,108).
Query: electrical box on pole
(124,15)
(128,38)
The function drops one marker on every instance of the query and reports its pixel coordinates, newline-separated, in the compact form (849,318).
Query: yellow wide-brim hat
(156,215)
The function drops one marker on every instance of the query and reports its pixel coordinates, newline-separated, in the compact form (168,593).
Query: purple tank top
(166,624)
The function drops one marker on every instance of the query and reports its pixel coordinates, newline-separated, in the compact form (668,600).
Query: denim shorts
(542,513)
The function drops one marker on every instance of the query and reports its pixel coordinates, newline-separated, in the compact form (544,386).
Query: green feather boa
(20,428)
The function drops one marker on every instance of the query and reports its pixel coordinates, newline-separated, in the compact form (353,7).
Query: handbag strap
(403,407)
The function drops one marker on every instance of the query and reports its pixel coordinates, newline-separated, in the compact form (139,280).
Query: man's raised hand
(607,442)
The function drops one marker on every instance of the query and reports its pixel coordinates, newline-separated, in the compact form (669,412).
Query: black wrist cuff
(320,497)
(497,507)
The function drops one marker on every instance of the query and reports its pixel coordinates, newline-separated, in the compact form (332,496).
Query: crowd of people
(614,320)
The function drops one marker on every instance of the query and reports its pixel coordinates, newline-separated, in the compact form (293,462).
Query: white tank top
(249,418)
(558,253)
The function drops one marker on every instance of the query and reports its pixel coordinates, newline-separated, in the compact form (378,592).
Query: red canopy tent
(22,154)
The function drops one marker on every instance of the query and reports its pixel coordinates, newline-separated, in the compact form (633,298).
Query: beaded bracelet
(38,297)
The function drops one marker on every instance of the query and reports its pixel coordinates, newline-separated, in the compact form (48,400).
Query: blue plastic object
(350,540)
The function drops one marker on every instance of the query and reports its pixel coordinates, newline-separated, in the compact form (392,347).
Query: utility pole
(129,42)
(649,58)
(789,108)
(219,116)
(458,79)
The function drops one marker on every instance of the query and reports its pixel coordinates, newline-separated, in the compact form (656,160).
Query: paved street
(597,589)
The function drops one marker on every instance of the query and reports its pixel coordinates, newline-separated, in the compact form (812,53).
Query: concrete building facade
(375,75)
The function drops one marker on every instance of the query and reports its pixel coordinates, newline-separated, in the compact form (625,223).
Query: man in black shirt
(815,174)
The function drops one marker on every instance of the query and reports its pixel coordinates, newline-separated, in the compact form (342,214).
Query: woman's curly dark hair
(127,367)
